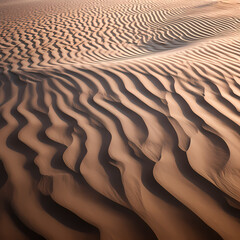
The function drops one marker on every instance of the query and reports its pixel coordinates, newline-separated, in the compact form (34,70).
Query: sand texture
(119,120)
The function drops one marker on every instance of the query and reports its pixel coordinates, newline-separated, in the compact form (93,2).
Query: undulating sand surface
(119,120)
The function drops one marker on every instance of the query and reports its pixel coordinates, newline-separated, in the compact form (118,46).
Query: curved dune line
(17,160)
(119,120)
(189,29)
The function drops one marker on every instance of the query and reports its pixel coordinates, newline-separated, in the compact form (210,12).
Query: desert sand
(119,119)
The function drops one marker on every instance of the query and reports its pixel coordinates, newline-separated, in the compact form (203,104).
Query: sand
(119,120)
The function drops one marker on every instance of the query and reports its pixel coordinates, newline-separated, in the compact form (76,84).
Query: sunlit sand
(119,120)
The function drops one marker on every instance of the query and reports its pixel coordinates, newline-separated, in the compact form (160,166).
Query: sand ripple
(119,120)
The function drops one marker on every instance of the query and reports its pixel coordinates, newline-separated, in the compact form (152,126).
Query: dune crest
(119,120)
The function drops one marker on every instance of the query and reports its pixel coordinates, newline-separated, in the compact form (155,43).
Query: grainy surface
(119,120)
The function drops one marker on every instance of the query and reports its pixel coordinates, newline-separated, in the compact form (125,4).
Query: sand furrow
(119,120)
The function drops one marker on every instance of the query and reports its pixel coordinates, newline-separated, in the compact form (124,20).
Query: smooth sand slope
(119,120)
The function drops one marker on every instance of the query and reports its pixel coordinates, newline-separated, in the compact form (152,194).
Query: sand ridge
(119,120)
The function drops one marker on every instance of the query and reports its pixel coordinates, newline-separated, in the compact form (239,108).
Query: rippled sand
(119,120)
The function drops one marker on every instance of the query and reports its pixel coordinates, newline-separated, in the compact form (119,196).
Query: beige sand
(119,120)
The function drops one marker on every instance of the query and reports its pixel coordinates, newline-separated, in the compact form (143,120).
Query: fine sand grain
(119,120)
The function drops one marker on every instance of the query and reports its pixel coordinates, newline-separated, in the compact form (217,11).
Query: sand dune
(119,120)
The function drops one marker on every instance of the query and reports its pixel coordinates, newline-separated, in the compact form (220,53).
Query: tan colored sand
(119,120)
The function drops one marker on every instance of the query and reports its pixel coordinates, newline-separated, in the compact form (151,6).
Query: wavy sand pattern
(119,120)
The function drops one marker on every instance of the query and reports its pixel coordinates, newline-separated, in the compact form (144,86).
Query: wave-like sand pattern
(120,120)
(86,33)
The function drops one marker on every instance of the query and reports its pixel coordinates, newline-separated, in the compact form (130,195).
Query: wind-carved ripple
(120,121)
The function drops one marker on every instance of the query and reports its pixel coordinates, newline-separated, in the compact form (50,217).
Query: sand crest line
(119,120)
